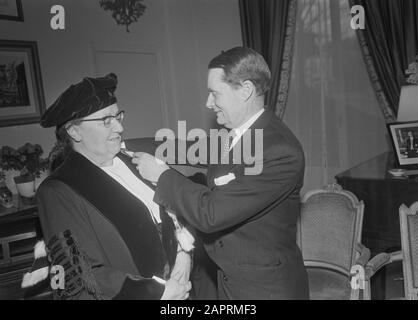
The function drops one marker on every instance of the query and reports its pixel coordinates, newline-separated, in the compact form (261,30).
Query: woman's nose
(117,125)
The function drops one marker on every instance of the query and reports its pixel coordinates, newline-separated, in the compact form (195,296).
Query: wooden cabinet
(19,231)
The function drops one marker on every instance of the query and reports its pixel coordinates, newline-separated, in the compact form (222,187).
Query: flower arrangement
(412,71)
(26,159)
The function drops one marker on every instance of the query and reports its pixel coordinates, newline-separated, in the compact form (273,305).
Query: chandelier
(124,12)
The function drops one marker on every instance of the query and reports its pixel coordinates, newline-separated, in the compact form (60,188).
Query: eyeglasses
(107,121)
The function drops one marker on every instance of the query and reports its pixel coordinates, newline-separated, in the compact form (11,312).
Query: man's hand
(149,167)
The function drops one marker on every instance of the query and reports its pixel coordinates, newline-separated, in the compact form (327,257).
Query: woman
(98,216)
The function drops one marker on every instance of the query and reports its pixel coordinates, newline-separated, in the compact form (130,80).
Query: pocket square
(220,181)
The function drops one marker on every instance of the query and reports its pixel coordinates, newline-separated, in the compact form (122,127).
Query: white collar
(244,127)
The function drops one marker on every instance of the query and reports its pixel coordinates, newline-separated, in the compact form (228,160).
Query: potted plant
(6,196)
(9,166)
(29,164)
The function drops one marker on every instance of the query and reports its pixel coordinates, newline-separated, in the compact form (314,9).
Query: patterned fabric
(269,28)
(413,234)
(64,251)
(327,284)
(227,145)
(287,58)
(334,242)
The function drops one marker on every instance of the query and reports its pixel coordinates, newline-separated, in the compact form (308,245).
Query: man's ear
(74,133)
(247,89)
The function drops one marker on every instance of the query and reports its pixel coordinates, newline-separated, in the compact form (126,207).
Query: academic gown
(104,236)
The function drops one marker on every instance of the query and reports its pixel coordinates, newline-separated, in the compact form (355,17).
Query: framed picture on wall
(21,91)
(404,137)
(11,10)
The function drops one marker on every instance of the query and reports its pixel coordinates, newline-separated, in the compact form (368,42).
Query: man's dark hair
(240,64)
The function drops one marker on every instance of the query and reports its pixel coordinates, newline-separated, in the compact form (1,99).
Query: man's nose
(209,102)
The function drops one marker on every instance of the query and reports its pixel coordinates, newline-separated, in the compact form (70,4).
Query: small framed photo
(21,91)
(11,10)
(404,137)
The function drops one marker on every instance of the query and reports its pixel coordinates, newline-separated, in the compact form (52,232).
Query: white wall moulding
(139,90)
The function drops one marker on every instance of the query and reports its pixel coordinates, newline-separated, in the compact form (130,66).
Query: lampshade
(408,104)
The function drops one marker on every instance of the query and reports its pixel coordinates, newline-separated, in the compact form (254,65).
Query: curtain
(389,43)
(268,27)
(331,107)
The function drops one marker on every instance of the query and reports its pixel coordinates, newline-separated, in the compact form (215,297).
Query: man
(411,145)
(249,219)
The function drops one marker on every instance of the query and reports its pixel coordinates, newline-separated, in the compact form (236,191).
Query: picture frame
(11,10)
(404,136)
(21,90)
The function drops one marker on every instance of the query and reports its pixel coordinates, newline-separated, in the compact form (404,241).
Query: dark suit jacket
(250,223)
(411,147)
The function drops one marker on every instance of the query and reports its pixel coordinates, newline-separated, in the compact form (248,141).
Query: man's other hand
(149,167)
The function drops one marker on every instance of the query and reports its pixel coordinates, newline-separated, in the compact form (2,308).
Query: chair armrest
(381,260)
(364,255)
(357,272)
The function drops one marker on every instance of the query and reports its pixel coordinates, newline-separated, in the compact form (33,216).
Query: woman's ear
(74,133)
(247,89)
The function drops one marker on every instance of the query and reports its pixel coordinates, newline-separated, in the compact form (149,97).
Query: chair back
(409,238)
(329,228)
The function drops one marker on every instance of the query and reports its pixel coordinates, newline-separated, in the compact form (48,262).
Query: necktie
(228,143)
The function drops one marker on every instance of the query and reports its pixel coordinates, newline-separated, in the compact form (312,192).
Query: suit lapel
(236,163)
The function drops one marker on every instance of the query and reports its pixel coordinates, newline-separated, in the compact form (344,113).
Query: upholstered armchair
(408,218)
(329,236)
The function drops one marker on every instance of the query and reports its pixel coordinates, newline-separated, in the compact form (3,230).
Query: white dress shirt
(122,174)
(239,132)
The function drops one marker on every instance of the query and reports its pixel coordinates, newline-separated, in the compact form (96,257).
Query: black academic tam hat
(80,100)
